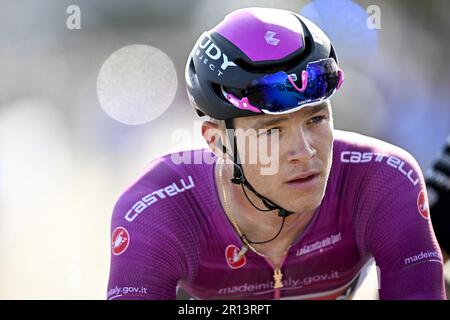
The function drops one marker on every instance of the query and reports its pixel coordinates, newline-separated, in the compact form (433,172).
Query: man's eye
(269,132)
(317,119)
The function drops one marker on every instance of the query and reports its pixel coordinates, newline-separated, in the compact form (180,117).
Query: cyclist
(235,229)
(438,186)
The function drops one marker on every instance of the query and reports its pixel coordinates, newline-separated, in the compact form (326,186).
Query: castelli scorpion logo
(120,240)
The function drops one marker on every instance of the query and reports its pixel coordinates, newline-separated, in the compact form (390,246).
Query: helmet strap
(239,177)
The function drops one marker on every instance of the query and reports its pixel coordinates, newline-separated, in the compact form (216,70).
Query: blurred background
(64,160)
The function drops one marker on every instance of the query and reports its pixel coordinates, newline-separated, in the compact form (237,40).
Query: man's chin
(305,203)
(302,208)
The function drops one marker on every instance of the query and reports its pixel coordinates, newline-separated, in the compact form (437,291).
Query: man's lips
(304,181)
(305,176)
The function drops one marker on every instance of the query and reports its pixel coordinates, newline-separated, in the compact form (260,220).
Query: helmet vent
(285,64)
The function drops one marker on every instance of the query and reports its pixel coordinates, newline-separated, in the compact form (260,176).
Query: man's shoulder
(371,163)
(167,181)
(171,168)
(355,148)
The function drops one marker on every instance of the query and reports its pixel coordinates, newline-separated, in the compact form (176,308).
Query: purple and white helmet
(261,61)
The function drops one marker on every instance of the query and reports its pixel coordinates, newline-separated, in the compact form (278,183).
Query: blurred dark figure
(438,186)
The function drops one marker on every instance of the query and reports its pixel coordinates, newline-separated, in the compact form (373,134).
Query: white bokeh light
(136,84)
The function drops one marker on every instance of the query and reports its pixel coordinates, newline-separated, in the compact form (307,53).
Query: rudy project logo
(422,204)
(231,255)
(210,54)
(119,241)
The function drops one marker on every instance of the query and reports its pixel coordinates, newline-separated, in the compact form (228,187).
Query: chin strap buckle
(284,213)
(237,180)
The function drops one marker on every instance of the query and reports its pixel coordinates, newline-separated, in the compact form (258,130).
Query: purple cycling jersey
(169,230)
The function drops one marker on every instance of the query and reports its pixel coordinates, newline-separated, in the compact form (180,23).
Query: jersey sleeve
(399,233)
(151,244)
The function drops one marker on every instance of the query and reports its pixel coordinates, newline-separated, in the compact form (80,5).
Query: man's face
(302,144)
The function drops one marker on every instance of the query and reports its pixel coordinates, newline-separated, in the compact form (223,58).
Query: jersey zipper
(277,277)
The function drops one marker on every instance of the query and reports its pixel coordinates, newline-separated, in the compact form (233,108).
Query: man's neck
(255,224)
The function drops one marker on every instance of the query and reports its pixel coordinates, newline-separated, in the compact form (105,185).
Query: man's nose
(300,147)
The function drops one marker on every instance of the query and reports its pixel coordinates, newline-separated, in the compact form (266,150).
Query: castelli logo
(231,255)
(422,204)
(120,240)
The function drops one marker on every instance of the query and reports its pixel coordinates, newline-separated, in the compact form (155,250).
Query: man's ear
(212,134)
